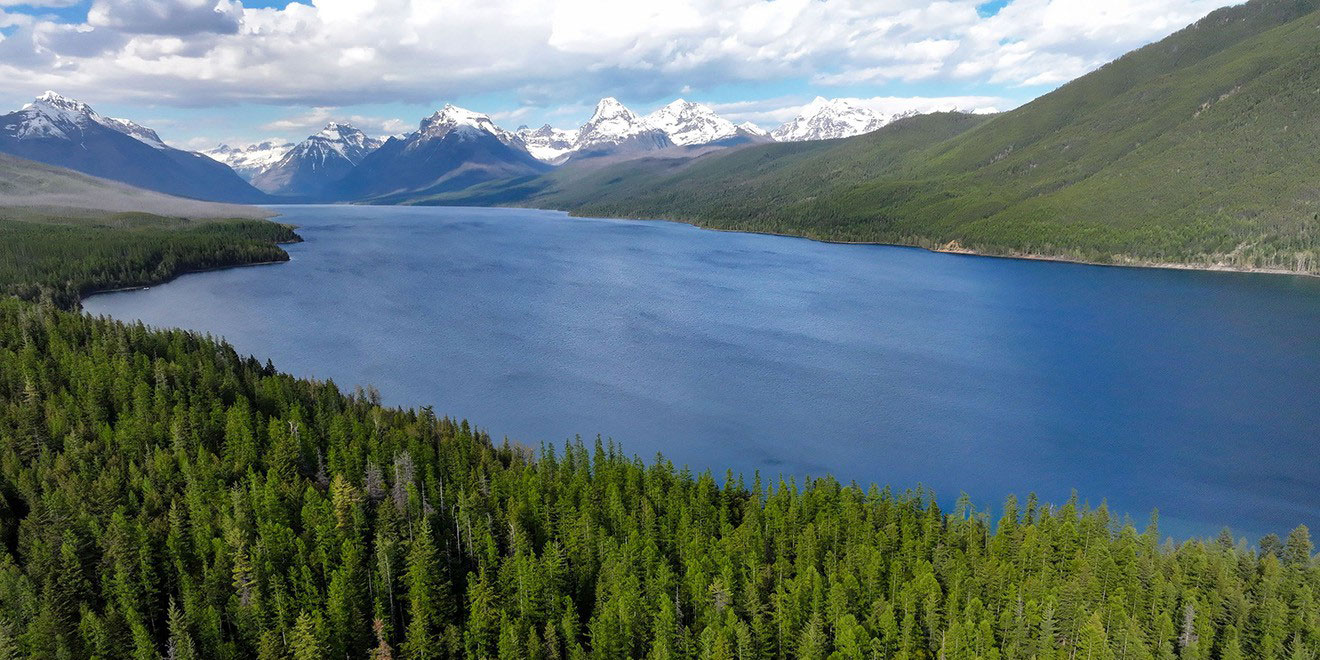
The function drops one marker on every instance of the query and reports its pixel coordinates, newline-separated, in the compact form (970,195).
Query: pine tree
(307,640)
(180,644)
(424,593)
(1092,643)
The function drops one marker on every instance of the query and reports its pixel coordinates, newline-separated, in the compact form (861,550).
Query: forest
(1198,149)
(58,258)
(162,496)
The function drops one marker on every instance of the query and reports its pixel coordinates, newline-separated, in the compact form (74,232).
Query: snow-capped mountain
(614,129)
(315,163)
(452,118)
(825,119)
(134,130)
(754,130)
(253,159)
(688,123)
(53,116)
(452,149)
(547,143)
(66,132)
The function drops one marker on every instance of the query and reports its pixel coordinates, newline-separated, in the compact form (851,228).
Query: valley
(793,331)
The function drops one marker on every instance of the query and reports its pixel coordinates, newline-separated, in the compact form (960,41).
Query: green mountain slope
(64,234)
(1201,148)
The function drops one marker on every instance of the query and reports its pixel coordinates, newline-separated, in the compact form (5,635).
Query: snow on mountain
(547,143)
(453,118)
(53,116)
(825,119)
(61,131)
(134,130)
(253,159)
(611,123)
(452,149)
(615,130)
(342,139)
(752,129)
(313,165)
(689,123)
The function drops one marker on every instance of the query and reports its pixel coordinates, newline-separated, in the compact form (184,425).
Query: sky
(203,72)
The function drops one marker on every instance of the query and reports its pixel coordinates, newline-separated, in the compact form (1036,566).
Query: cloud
(166,17)
(52,4)
(560,53)
(769,113)
(314,119)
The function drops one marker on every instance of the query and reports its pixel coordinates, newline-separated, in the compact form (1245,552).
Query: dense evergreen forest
(162,496)
(58,259)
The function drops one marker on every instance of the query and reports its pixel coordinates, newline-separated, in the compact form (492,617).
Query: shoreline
(1159,265)
(138,287)
(175,276)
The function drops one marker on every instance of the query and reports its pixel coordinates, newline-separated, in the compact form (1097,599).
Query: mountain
(827,119)
(29,188)
(753,130)
(68,133)
(614,130)
(1198,149)
(452,149)
(134,130)
(251,160)
(310,168)
(688,123)
(547,143)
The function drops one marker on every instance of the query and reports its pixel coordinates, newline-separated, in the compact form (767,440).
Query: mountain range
(450,150)
(1197,149)
(251,160)
(453,149)
(60,131)
(312,167)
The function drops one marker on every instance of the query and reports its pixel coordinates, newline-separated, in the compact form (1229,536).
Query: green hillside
(65,234)
(1202,148)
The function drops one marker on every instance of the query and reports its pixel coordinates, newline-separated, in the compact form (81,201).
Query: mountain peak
(337,131)
(688,123)
(749,127)
(610,108)
(53,115)
(54,100)
(466,123)
(824,119)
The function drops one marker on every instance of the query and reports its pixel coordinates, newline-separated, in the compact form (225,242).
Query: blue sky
(207,71)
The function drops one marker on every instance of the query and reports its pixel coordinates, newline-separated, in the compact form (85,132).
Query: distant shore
(1136,263)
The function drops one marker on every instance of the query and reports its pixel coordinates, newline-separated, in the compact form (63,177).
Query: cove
(1194,392)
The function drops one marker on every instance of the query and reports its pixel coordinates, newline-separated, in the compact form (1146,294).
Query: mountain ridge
(1165,156)
(68,133)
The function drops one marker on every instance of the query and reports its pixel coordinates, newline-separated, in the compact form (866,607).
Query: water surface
(1195,392)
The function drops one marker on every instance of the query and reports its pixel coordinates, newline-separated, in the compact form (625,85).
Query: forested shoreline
(60,259)
(162,496)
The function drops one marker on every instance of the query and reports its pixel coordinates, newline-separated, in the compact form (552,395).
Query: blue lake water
(1194,392)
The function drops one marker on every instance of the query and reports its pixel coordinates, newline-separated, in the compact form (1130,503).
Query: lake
(1194,392)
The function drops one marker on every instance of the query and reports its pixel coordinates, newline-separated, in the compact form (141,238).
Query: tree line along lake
(1194,392)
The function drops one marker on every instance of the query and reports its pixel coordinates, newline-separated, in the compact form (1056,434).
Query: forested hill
(64,234)
(1201,148)
(163,496)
